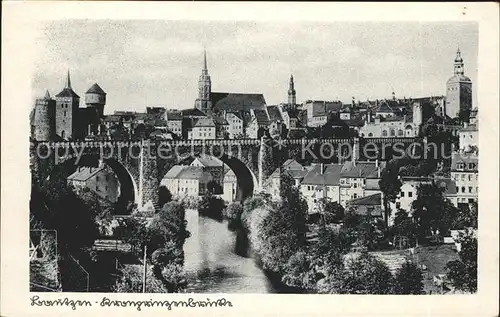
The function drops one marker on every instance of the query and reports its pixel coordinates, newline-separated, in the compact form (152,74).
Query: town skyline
(141,64)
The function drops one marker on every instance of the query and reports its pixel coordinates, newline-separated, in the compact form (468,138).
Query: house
(292,168)
(221,127)
(318,111)
(464,171)
(321,181)
(468,137)
(276,121)
(230,187)
(354,178)
(101,180)
(174,121)
(368,205)
(213,165)
(203,129)
(259,119)
(184,181)
(171,181)
(235,122)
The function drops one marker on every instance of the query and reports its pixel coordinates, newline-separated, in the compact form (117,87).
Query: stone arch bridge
(141,165)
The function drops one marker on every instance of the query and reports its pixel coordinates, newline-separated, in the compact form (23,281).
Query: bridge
(141,165)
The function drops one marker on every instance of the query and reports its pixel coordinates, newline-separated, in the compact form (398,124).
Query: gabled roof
(323,108)
(209,161)
(191,172)
(220,120)
(385,108)
(193,113)
(372,200)
(236,114)
(262,117)
(95,89)
(274,113)
(204,122)
(174,171)
(84,173)
(329,177)
(466,158)
(361,169)
(174,115)
(67,92)
(237,101)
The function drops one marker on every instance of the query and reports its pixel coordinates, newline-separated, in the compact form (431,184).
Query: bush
(408,280)
(233,214)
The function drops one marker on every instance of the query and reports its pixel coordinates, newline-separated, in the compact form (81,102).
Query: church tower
(458,92)
(291,92)
(67,104)
(203,102)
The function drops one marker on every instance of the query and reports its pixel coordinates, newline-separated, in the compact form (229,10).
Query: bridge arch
(128,187)
(247,181)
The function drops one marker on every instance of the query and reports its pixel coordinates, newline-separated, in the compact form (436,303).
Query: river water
(212,264)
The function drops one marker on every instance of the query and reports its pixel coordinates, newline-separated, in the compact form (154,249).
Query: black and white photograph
(254,157)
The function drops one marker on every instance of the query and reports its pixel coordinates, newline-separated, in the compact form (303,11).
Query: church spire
(205,59)
(291,92)
(47,95)
(459,63)
(68,81)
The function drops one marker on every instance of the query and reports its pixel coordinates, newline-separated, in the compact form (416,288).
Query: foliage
(403,225)
(390,184)
(299,271)
(431,211)
(408,280)
(211,206)
(173,277)
(131,281)
(330,211)
(233,214)
(466,217)
(463,273)
(164,195)
(214,187)
(367,275)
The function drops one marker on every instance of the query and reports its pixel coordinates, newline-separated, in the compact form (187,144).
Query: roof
(460,157)
(330,176)
(174,171)
(274,113)
(322,108)
(112,118)
(204,122)
(372,200)
(237,101)
(469,128)
(262,117)
(84,173)
(193,113)
(361,169)
(385,108)
(220,120)
(67,92)
(95,89)
(174,115)
(459,78)
(449,185)
(209,161)
(236,114)
(191,172)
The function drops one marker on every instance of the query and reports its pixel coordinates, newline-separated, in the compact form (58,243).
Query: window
(355,185)
(463,177)
(477,189)
(470,177)
(308,187)
(457,189)
(398,205)
(384,133)
(471,200)
(355,195)
(410,194)
(402,194)
(393,133)
(400,132)
(470,189)
(463,189)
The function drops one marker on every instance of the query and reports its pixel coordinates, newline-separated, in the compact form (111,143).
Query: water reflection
(212,264)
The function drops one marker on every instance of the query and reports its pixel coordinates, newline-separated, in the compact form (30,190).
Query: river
(212,264)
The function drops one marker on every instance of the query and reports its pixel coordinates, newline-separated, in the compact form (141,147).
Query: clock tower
(458,92)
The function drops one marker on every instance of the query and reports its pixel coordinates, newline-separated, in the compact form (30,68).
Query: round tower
(96,97)
(43,120)
(417,114)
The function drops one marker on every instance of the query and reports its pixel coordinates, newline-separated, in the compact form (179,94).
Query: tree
(466,217)
(367,275)
(431,211)
(463,273)
(331,211)
(408,280)
(299,271)
(233,214)
(403,225)
(211,206)
(164,195)
(390,185)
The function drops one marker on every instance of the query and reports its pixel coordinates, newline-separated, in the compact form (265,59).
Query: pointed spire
(47,95)
(205,59)
(68,81)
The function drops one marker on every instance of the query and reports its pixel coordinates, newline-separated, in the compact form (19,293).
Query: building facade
(458,91)
(101,180)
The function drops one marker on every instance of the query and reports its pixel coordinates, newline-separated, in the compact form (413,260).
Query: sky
(157,63)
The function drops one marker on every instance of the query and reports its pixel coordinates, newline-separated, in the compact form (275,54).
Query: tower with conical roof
(291,92)
(458,91)
(43,118)
(95,97)
(203,102)
(66,113)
